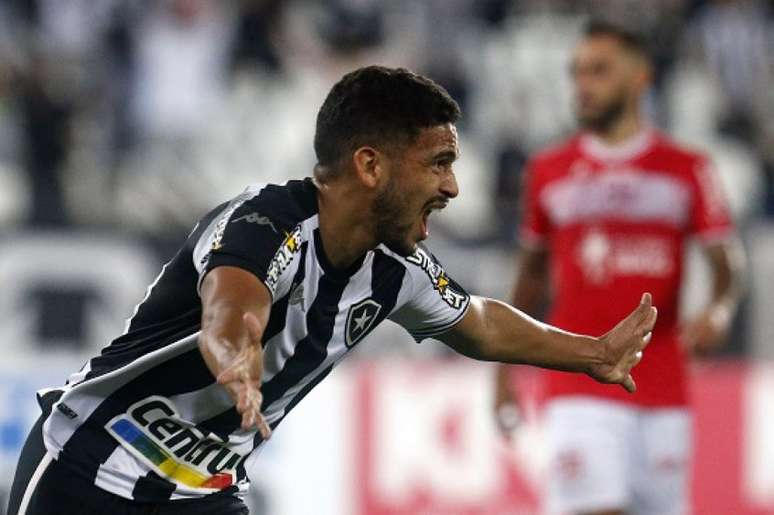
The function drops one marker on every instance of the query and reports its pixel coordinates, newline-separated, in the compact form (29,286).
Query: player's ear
(367,164)
(643,74)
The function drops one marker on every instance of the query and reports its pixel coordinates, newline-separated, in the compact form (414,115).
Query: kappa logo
(360,320)
(297,295)
(255,218)
(441,282)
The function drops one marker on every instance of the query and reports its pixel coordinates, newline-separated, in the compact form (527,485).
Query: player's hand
(242,379)
(708,331)
(506,404)
(624,345)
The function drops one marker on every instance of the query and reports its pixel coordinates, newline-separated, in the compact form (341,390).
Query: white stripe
(42,466)
(147,295)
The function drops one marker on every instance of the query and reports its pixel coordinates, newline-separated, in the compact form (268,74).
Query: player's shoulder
(428,273)
(677,153)
(282,205)
(418,264)
(556,156)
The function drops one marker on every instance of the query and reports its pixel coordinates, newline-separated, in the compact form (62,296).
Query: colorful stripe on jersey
(171,469)
(152,431)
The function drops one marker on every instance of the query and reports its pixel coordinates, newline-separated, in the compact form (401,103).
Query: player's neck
(620,131)
(345,233)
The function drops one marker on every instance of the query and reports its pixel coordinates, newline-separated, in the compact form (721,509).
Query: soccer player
(269,292)
(607,214)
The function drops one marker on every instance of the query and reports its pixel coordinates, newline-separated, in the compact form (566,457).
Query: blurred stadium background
(122,121)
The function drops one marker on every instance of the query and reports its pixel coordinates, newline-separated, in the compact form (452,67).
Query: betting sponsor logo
(256,218)
(360,320)
(603,257)
(441,282)
(284,256)
(152,431)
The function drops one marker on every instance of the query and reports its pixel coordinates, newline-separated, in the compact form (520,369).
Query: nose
(449,186)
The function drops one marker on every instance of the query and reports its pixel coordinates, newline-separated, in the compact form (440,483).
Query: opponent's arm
(494,331)
(235,310)
(709,330)
(529,294)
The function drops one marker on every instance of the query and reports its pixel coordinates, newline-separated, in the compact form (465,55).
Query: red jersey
(615,221)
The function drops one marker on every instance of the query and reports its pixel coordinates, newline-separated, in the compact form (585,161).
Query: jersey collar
(633,147)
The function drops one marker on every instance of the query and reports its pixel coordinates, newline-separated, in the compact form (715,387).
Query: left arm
(709,330)
(493,331)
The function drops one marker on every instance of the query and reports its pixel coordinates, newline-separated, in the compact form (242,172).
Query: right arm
(529,295)
(235,311)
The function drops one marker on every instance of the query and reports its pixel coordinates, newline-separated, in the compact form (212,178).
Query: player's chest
(338,311)
(616,193)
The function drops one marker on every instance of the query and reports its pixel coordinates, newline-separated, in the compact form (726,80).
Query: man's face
(604,76)
(420,180)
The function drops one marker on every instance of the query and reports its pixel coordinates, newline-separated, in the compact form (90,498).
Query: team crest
(360,320)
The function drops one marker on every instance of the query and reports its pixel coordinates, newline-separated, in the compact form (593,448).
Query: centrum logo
(438,277)
(152,431)
(284,256)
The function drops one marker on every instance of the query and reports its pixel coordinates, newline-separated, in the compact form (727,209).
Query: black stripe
(137,344)
(387,275)
(151,488)
(91,445)
(312,350)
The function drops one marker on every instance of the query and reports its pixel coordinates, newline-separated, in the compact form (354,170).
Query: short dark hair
(631,40)
(377,105)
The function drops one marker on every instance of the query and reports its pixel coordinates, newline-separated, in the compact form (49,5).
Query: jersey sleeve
(436,302)
(244,235)
(710,217)
(535,225)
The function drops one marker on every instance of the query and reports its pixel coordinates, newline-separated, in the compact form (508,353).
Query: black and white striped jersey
(145,419)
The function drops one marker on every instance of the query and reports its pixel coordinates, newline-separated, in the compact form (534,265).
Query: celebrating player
(270,291)
(607,214)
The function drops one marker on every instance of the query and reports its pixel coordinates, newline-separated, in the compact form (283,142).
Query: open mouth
(435,206)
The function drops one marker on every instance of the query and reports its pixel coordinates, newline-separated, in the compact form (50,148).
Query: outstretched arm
(235,310)
(494,331)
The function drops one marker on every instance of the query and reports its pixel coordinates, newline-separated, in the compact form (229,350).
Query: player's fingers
(231,374)
(649,321)
(629,384)
(646,340)
(646,301)
(263,427)
(241,404)
(636,359)
(248,419)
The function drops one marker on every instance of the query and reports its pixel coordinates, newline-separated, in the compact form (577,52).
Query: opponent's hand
(242,379)
(506,404)
(623,346)
(708,331)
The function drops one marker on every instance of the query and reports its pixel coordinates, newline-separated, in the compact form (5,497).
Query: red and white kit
(615,221)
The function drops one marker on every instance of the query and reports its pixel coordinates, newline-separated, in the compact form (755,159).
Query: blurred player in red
(606,216)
